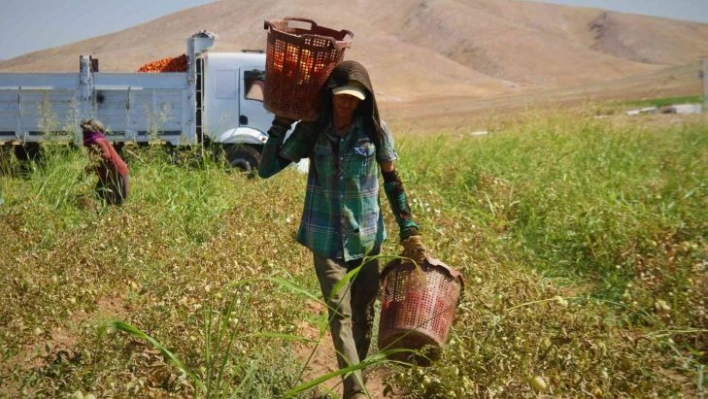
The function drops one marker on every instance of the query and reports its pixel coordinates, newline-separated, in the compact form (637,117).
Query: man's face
(345,105)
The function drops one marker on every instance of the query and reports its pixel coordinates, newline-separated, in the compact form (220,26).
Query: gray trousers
(351,312)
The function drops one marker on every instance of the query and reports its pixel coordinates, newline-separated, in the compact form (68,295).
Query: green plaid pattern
(342,216)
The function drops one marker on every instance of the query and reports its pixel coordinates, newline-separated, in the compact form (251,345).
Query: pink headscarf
(91,137)
(93,130)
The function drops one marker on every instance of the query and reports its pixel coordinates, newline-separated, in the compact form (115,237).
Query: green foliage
(582,241)
(660,102)
(620,107)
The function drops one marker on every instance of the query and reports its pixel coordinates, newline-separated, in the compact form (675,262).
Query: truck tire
(243,158)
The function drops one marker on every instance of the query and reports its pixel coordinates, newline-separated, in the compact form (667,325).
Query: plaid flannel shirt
(342,213)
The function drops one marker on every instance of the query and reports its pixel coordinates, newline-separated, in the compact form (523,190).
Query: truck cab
(230,105)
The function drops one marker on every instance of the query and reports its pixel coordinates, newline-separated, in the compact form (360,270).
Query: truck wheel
(243,158)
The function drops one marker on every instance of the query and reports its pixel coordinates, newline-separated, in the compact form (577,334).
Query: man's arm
(413,247)
(397,198)
(271,161)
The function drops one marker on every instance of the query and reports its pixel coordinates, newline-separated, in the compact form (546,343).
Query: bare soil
(322,360)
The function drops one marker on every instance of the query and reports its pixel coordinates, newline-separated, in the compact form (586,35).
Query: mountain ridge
(423,50)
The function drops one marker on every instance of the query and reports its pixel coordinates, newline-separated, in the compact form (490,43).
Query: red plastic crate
(298,63)
(418,308)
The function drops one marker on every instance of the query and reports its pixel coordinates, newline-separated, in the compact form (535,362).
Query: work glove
(280,126)
(413,248)
(283,121)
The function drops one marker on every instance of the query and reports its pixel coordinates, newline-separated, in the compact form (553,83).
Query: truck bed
(134,107)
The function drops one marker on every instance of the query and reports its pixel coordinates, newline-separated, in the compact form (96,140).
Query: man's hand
(413,248)
(283,121)
(280,126)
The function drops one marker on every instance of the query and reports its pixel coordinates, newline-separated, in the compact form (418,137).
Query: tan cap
(353,88)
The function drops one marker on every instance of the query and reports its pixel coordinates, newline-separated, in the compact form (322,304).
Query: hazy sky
(31,25)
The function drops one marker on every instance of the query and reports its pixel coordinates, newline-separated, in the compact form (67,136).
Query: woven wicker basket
(418,308)
(298,63)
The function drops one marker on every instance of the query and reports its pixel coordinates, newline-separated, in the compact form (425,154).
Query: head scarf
(343,74)
(93,130)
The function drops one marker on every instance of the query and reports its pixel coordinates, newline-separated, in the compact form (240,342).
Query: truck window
(255,84)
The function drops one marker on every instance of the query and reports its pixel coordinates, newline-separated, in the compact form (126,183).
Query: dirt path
(323,360)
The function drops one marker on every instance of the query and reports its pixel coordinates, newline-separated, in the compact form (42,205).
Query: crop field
(583,242)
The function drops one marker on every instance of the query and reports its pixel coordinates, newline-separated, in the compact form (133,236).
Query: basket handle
(339,45)
(268,25)
(347,32)
(343,32)
(311,22)
(429,261)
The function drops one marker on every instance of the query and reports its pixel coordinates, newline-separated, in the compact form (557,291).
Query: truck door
(222,103)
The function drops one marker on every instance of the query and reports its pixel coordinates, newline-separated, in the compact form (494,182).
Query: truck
(217,103)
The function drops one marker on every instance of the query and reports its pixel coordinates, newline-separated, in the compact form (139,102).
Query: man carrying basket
(342,223)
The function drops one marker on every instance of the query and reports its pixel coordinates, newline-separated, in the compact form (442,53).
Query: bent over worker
(112,171)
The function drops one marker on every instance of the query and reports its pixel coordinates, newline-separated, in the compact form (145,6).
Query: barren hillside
(426,50)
